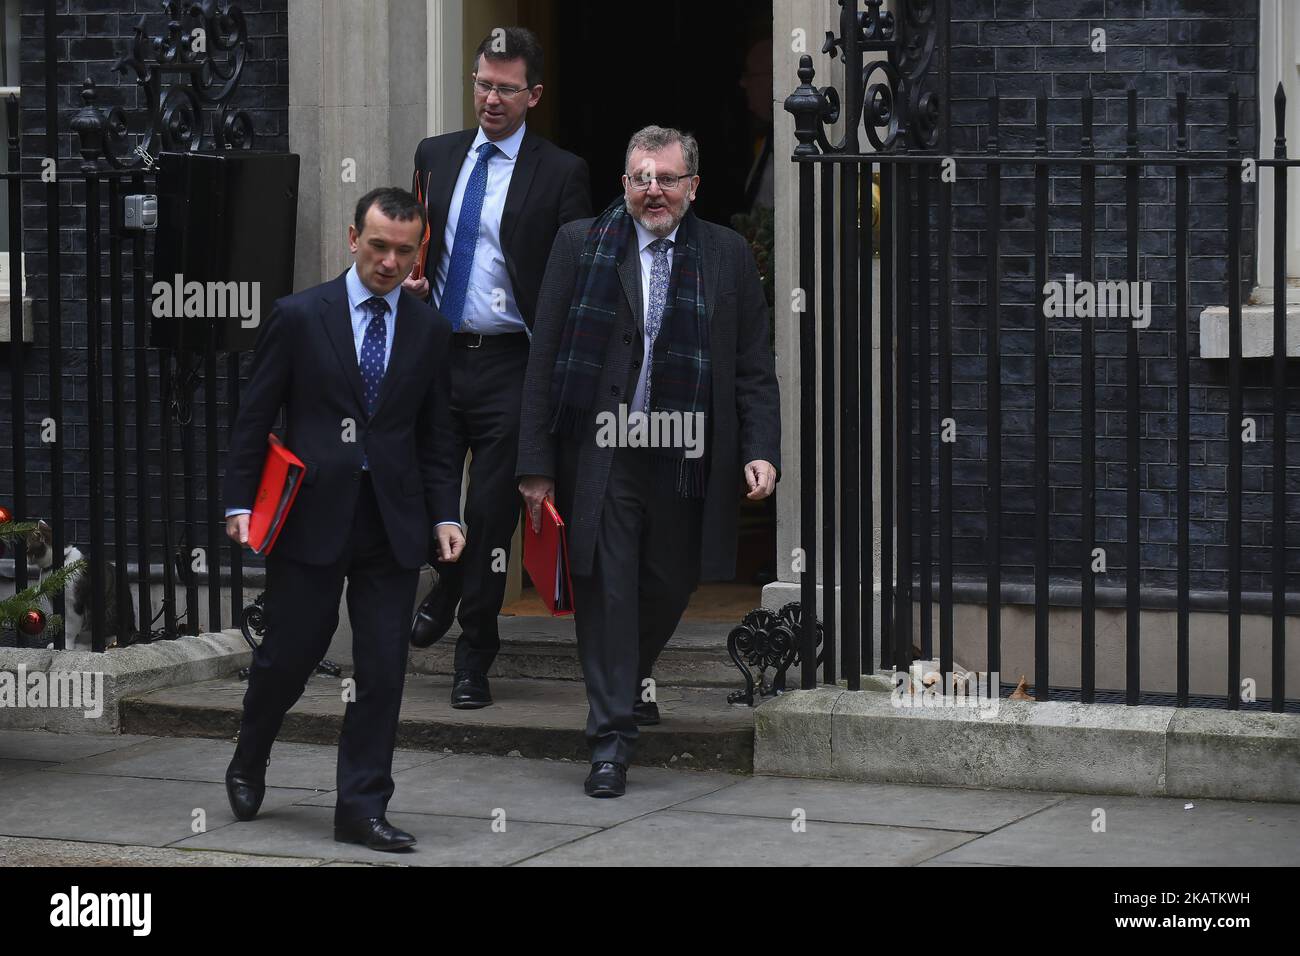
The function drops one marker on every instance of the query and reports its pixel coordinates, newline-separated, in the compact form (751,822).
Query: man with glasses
(647,313)
(496,194)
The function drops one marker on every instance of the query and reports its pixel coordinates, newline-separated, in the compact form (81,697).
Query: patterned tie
(462,249)
(372,355)
(372,349)
(655,313)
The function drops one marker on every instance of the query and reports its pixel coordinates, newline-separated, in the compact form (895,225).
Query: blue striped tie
(452,305)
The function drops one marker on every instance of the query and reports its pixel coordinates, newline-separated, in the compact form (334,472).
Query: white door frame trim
(446,19)
(1279,54)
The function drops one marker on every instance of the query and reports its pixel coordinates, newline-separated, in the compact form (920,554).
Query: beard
(663,221)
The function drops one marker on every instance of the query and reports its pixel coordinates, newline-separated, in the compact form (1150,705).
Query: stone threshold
(529,718)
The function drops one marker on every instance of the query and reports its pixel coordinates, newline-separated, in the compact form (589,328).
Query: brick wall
(1028,46)
(91,35)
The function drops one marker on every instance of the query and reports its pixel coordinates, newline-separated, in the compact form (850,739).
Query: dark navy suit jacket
(306,362)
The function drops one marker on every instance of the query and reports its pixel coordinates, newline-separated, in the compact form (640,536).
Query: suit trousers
(302,604)
(647,563)
(486,390)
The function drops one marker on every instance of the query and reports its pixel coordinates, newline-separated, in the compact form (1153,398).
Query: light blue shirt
(361,319)
(490,307)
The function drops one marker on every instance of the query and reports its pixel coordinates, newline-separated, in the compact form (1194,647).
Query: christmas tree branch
(17,529)
(13,608)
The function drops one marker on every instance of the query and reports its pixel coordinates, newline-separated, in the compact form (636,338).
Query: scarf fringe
(687,475)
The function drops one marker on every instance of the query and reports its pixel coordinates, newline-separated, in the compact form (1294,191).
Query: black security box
(225,226)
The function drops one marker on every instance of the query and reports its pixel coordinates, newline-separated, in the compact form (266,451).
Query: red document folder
(421,191)
(546,559)
(281,478)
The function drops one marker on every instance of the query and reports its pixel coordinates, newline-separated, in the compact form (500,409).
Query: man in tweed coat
(651,324)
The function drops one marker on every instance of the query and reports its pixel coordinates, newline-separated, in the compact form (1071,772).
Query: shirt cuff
(231,512)
(441,523)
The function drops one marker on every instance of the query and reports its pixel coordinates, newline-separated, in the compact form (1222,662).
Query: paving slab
(679,838)
(443,840)
(104,809)
(23,851)
(534,718)
(1154,831)
(299,766)
(11,768)
(941,808)
(537,790)
(58,748)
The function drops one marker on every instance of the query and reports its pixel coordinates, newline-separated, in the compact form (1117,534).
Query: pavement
(137,800)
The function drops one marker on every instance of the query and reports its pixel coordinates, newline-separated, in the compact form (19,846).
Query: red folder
(546,559)
(422,194)
(282,476)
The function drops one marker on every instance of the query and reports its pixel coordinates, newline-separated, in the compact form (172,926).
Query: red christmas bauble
(6,516)
(32,623)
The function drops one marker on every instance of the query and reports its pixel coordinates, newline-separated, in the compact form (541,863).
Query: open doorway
(705,68)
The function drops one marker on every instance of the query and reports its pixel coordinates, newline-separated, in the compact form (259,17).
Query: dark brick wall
(91,35)
(1028,46)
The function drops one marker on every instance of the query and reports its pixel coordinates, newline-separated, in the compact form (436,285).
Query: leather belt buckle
(471,335)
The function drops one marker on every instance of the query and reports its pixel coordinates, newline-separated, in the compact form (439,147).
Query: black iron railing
(117,159)
(899,104)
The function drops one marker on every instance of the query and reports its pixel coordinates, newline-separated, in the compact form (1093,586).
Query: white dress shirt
(487,311)
(644,237)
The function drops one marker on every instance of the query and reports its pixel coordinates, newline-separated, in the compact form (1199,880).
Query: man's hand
(535,490)
(418,287)
(451,542)
(237,528)
(761,477)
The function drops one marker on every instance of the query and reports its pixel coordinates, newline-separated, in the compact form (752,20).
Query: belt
(472,340)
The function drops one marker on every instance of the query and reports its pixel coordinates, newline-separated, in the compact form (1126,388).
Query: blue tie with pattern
(452,305)
(372,355)
(654,315)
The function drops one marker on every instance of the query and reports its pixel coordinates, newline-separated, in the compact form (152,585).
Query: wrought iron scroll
(889,97)
(252,624)
(763,641)
(202,52)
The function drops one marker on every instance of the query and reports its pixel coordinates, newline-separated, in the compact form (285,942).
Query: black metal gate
(132,431)
(898,103)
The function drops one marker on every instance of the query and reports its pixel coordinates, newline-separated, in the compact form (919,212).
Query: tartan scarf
(680,369)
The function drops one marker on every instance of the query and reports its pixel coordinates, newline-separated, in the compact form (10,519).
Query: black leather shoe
(373,832)
(606,780)
(469,691)
(432,619)
(645,713)
(245,792)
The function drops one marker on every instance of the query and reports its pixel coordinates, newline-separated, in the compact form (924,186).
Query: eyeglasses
(665,182)
(505,92)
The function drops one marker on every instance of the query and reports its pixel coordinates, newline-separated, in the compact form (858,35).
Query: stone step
(530,718)
(546,648)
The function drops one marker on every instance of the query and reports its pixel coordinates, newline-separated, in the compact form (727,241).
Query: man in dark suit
(651,317)
(361,368)
(496,194)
